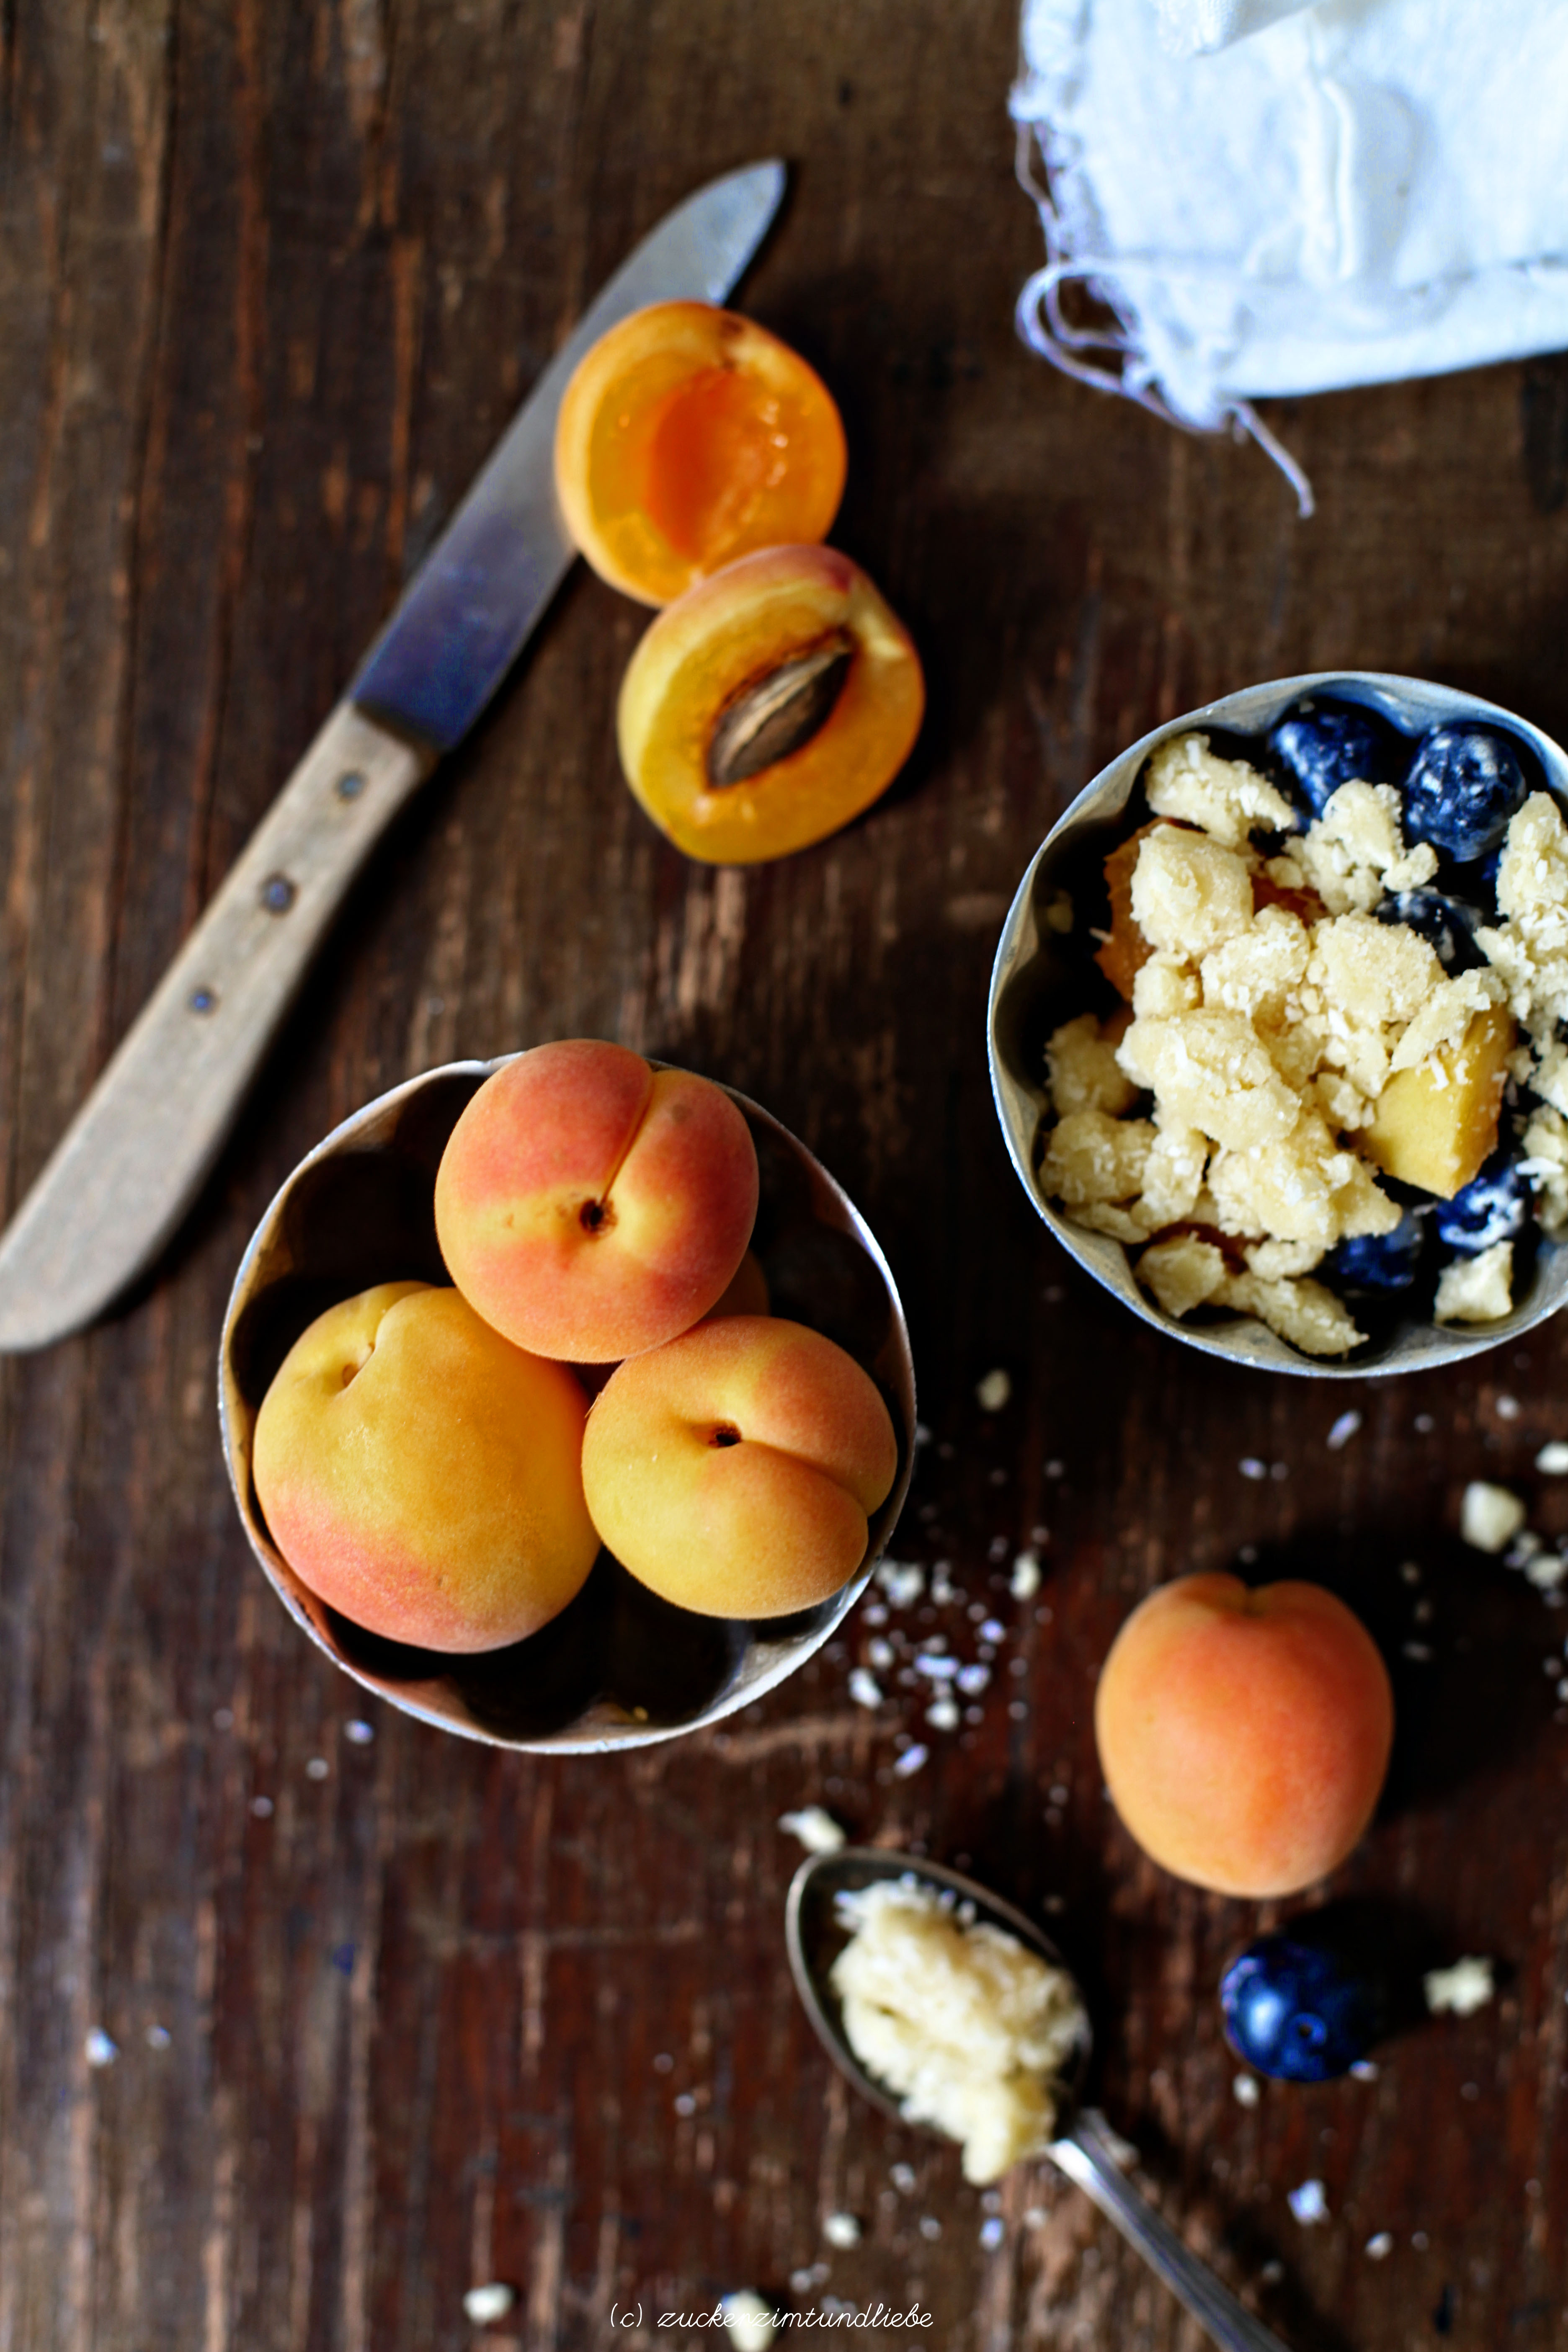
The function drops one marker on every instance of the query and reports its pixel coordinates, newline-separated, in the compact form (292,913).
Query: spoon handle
(1084,2152)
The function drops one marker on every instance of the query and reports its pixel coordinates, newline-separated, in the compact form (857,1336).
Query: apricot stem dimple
(595,1217)
(725,1434)
(778,713)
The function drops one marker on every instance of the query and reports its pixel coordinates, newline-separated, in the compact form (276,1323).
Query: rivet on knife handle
(195,1047)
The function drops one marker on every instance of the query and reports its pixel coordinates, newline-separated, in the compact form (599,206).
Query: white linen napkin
(1189,26)
(1277,197)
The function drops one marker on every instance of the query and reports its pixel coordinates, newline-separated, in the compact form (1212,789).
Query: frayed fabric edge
(1115,360)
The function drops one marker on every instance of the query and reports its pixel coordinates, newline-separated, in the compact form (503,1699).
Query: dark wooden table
(397,2015)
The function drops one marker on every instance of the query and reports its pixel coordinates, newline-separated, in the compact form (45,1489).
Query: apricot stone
(699,707)
(1244,1735)
(733,1471)
(422,1476)
(688,436)
(590,1206)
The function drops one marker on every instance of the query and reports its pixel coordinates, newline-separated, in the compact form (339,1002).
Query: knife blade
(136,1154)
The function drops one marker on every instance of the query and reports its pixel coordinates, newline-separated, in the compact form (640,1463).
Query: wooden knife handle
(135,1155)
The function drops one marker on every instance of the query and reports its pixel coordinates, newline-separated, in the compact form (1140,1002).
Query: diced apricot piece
(770,705)
(688,436)
(1433,1126)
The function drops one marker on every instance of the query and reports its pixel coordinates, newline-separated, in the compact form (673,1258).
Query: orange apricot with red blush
(771,705)
(1243,1733)
(591,1206)
(422,1476)
(733,1470)
(687,438)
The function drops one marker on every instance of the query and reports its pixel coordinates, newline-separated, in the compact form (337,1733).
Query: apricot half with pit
(733,1470)
(768,707)
(422,1476)
(688,436)
(590,1206)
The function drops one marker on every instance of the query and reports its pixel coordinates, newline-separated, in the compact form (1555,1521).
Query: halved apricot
(769,706)
(688,436)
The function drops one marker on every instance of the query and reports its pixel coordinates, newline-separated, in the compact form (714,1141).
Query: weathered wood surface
(393,2018)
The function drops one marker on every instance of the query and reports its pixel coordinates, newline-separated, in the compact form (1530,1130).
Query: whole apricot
(770,706)
(1244,1735)
(733,1471)
(422,1476)
(590,1206)
(688,436)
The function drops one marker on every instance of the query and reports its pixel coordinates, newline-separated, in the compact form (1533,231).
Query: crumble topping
(1226,798)
(1084,1072)
(1477,1289)
(1189,893)
(1092,1157)
(1545,1164)
(969,2029)
(1446,1017)
(1163,987)
(1300,1187)
(1212,1071)
(1183,1273)
(1354,854)
(1529,948)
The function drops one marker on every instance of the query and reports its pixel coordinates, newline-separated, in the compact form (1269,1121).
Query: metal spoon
(1083,2147)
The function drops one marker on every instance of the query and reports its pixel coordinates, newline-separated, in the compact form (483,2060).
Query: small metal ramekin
(618,1668)
(1042,978)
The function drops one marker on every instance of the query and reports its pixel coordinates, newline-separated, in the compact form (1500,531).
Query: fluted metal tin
(1040,978)
(619,1668)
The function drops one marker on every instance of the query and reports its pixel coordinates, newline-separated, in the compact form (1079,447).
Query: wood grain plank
(270,280)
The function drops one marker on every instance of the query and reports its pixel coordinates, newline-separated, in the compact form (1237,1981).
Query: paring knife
(134,1156)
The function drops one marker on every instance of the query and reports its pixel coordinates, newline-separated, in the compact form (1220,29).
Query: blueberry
(1327,744)
(1447,924)
(1300,2011)
(1380,1261)
(1465,785)
(1492,1207)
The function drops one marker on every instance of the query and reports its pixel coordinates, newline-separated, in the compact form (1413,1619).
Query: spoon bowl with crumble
(947,2008)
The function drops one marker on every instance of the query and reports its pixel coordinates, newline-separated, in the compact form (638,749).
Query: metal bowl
(1041,980)
(618,1667)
